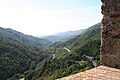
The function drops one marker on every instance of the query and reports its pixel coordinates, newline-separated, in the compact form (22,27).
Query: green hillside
(25,39)
(84,50)
(35,59)
(19,53)
(16,58)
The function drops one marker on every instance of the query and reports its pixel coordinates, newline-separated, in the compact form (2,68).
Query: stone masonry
(110,41)
(99,73)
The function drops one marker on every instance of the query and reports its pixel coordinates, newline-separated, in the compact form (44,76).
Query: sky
(47,17)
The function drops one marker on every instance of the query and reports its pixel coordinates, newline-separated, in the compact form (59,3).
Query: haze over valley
(48,39)
(46,17)
(31,58)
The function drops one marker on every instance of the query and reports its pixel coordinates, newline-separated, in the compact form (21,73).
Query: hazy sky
(43,17)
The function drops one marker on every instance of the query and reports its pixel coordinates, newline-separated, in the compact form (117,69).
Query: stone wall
(110,40)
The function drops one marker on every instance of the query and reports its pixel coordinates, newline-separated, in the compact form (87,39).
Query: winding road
(67,49)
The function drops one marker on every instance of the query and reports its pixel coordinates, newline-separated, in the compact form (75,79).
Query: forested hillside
(16,57)
(18,53)
(25,39)
(75,55)
(88,34)
(23,56)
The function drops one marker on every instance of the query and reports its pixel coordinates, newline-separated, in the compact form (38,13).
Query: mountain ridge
(65,63)
(31,40)
(63,36)
(18,58)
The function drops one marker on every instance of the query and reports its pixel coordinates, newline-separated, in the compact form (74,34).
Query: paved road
(67,49)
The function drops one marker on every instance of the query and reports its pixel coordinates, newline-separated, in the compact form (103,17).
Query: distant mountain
(71,56)
(64,36)
(80,39)
(20,58)
(71,33)
(26,39)
(92,33)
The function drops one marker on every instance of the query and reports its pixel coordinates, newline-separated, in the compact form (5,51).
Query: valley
(41,59)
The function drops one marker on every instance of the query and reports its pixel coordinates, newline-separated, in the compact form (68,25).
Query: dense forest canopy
(23,56)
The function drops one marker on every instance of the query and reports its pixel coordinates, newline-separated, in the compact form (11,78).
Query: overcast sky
(46,17)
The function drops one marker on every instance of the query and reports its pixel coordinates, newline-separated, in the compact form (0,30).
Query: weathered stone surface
(99,73)
(110,40)
(110,7)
